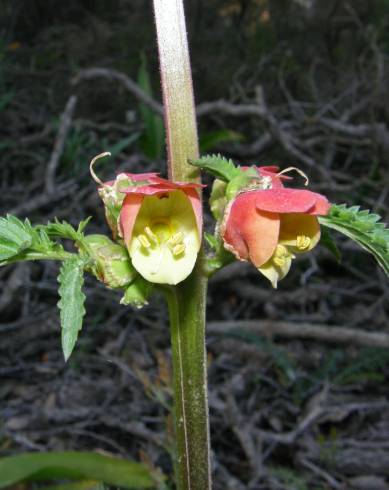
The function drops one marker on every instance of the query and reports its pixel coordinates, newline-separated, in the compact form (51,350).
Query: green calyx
(218,199)
(223,192)
(137,293)
(246,180)
(113,198)
(111,263)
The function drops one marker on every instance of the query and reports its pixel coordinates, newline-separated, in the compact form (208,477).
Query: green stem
(187,324)
(40,256)
(187,300)
(177,88)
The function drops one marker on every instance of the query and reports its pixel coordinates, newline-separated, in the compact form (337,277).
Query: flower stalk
(186,301)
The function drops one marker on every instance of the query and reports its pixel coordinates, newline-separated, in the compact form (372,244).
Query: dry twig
(323,333)
(59,145)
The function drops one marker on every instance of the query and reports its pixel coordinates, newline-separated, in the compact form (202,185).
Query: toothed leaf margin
(71,304)
(363,227)
(218,166)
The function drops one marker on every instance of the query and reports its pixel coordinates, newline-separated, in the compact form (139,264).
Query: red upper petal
(158,185)
(268,168)
(287,200)
(321,207)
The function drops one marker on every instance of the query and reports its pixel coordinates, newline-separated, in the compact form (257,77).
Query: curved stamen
(144,241)
(300,172)
(303,242)
(153,237)
(94,160)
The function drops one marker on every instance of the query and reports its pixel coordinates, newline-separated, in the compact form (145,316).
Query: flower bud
(112,265)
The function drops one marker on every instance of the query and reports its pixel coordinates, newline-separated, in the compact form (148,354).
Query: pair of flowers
(161,223)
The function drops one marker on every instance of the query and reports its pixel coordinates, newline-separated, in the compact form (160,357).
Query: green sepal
(242,181)
(363,227)
(137,293)
(218,166)
(71,304)
(328,242)
(111,263)
(218,200)
(113,198)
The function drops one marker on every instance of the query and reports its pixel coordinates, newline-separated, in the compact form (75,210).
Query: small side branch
(59,145)
(322,333)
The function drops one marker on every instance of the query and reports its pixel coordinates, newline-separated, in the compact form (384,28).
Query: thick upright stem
(177,88)
(187,321)
(187,300)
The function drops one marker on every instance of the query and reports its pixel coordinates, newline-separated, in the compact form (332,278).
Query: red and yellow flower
(269,225)
(161,224)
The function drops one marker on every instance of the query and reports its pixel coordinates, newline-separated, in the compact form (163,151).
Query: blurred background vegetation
(287,82)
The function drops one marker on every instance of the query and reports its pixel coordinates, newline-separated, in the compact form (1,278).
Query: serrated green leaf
(328,242)
(20,241)
(362,227)
(71,304)
(74,466)
(63,229)
(218,166)
(15,236)
(83,224)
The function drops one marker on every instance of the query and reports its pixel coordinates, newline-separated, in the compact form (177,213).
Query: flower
(160,222)
(161,225)
(269,224)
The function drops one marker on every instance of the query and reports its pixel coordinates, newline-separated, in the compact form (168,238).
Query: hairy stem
(187,300)
(187,322)
(177,88)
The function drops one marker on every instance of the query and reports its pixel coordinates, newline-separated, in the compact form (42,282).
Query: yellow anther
(281,251)
(280,261)
(144,241)
(153,237)
(176,239)
(178,249)
(303,242)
